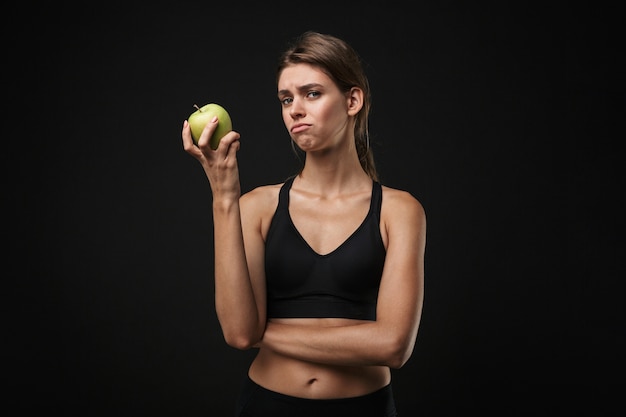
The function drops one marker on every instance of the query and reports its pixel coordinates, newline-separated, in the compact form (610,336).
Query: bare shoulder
(258,205)
(404,221)
(261,197)
(399,202)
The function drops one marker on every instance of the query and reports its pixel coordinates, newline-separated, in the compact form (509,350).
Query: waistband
(256,400)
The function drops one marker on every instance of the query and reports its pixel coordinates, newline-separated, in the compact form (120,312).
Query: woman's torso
(325,233)
(313,380)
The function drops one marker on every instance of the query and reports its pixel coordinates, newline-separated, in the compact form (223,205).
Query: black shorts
(256,401)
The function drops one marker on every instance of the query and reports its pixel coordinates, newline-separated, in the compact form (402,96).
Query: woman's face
(315,112)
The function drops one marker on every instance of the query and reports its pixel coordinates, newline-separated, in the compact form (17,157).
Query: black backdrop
(503,120)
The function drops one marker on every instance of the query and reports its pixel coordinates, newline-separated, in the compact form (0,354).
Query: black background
(505,121)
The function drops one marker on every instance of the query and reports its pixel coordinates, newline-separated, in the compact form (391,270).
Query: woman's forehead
(295,75)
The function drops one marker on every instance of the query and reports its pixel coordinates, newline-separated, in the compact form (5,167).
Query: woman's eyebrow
(301,88)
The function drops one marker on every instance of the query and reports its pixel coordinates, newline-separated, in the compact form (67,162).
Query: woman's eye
(313,94)
(286,101)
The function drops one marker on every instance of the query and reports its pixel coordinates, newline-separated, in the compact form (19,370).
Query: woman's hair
(343,65)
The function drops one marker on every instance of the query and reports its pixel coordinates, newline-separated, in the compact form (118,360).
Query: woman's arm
(390,339)
(241,318)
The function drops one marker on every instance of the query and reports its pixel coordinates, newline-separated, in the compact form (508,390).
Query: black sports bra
(343,283)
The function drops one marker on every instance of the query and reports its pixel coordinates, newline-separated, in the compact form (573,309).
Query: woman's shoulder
(398,201)
(263,191)
(261,197)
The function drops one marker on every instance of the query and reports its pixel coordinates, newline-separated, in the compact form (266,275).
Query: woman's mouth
(300,127)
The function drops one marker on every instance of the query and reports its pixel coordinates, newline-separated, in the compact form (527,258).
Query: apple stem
(196,106)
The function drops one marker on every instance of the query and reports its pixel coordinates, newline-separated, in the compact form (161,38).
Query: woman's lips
(299,128)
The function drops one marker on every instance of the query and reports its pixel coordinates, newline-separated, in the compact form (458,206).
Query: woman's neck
(333,174)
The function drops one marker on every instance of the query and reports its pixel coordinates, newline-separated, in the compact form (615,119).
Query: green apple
(203,115)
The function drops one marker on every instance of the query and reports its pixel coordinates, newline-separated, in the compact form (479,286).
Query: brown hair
(343,65)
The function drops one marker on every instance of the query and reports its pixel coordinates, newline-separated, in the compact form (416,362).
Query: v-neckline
(343,242)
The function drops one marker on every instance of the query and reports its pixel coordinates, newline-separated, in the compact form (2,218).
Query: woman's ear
(355,101)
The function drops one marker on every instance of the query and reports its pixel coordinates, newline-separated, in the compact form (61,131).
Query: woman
(324,273)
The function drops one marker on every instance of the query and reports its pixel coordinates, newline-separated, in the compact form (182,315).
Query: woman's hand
(220,165)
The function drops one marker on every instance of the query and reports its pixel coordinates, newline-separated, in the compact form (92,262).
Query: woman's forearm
(235,303)
(363,344)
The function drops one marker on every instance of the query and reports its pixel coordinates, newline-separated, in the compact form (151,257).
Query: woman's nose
(296,110)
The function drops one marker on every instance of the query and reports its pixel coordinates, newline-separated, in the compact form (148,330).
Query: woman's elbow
(239,343)
(397,353)
(398,361)
(242,340)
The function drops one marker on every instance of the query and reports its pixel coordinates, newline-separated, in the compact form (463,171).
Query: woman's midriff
(304,379)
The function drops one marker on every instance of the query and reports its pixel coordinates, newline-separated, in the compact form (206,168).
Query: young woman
(324,273)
